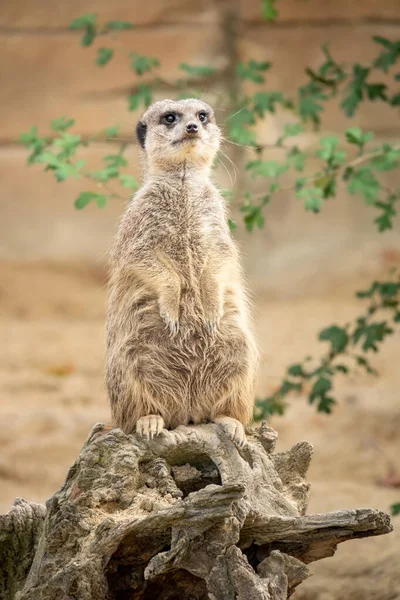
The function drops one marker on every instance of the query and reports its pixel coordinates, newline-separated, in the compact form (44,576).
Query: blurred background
(303,269)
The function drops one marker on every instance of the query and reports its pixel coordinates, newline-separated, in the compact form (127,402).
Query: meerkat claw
(233,429)
(150,426)
(211,326)
(171,325)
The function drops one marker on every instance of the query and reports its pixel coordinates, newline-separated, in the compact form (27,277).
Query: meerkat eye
(169,118)
(203,117)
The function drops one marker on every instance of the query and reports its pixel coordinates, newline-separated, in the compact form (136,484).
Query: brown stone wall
(45,73)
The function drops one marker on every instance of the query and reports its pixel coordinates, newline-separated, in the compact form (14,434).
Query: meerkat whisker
(250,148)
(226,169)
(236,170)
(239,111)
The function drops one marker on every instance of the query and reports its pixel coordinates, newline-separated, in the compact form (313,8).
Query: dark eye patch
(141,130)
(203,116)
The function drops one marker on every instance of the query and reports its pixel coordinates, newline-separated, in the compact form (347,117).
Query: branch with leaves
(350,343)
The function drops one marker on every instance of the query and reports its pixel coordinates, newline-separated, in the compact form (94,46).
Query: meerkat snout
(178,132)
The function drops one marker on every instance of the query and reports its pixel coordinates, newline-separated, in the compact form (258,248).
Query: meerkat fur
(180,347)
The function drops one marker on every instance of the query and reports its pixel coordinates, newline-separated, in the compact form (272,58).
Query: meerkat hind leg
(233,429)
(150,426)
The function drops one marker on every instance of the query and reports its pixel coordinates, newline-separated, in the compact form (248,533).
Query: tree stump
(183,516)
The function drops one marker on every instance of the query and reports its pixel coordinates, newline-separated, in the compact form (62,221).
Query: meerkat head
(172,133)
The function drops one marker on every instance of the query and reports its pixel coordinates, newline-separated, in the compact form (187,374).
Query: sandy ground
(52,392)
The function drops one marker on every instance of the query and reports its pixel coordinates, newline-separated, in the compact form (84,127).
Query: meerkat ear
(141,129)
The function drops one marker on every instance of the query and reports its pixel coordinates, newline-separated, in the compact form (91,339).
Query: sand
(52,392)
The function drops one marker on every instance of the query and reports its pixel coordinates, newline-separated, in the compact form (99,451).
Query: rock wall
(46,74)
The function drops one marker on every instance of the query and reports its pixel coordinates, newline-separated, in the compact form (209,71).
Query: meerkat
(180,347)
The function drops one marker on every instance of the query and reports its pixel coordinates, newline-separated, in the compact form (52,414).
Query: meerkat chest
(195,224)
(195,218)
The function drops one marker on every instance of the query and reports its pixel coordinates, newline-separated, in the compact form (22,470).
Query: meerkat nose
(192,128)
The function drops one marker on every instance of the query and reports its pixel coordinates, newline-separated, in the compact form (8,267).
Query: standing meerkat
(180,348)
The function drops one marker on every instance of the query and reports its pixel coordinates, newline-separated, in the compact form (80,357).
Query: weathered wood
(184,515)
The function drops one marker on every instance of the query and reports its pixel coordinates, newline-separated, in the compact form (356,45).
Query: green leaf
(320,388)
(365,183)
(292,129)
(143,64)
(371,334)
(313,198)
(363,362)
(327,184)
(237,124)
(86,20)
(269,406)
(88,23)
(88,37)
(289,386)
(328,144)
(115,160)
(325,404)
(128,181)
(104,55)
(29,137)
(253,216)
(354,92)
(336,336)
(119,25)
(395,509)
(389,56)
(68,144)
(266,102)
(61,124)
(376,91)
(297,158)
(85,198)
(395,100)
(111,132)
(386,161)
(48,158)
(268,10)
(143,95)
(197,70)
(296,370)
(369,292)
(310,102)
(106,174)
(388,289)
(354,135)
(385,220)
(252,70)
(66,170)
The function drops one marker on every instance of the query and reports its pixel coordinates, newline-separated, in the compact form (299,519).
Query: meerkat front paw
(171,322)
(233,429)
(150,426)
(213,315)
(213,320)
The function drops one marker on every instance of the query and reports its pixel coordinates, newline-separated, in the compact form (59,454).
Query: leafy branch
(358,173)
(58,155)
(349,346)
